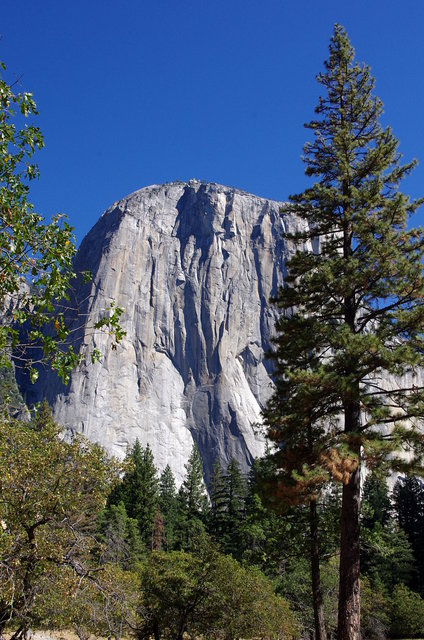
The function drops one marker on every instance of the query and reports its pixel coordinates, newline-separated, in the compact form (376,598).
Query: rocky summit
(194,265)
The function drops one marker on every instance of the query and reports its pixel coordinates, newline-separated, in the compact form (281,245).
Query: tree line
(113,549)
(83,545)
(242,518)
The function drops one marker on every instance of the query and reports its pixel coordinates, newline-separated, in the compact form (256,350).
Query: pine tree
(376,505)
(387,557)
(353,311)
(217,513)
(192,500)
(139,490)
(386,554)
(408,499)
(293,485)
(235,495)
(193,487)
(227,510)
(168,504)
(265,533)
(43,417)
(120,537)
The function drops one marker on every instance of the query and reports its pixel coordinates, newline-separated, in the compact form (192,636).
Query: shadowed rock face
(194,265)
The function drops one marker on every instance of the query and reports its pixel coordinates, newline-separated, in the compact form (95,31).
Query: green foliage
(93,574)
(51,492)
(138,490)
(408,499)
(407,613)
(11,401)
(159,540)
(375,611)
(217,513)
(376,505)
(387,557)
(192,504)
(168,504)
(175,589)
(266,534)
(106,605)
(386,554)
(287,541)
(120,537)
(247,605)
(193,491)
(228,496)
(211,595)
(36,258)
(295,586)
(235,493)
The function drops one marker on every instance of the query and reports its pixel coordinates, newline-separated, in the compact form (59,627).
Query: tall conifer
(235,496)
(139,490)
(352,311)
(120,536)
(194,488)
(192,500)
(408,498)
(168,503)
(218,508)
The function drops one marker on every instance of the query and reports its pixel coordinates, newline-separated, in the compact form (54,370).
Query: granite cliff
(194,265)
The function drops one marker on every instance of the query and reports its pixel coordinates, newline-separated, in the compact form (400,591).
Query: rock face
(194,265)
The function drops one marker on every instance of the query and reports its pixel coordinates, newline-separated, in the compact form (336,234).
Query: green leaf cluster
(211,595)
(51,492)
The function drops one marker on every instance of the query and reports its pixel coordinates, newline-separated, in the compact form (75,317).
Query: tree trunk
(3,617)
(156,634)
(181,629)
(348,627)
(18,634)
(320,631)
(349,586)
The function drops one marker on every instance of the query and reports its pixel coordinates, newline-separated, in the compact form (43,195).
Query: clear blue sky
(136,92)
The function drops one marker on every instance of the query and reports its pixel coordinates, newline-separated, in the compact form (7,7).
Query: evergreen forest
(118,550)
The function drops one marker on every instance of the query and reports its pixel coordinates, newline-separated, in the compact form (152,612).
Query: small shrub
(407,618)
